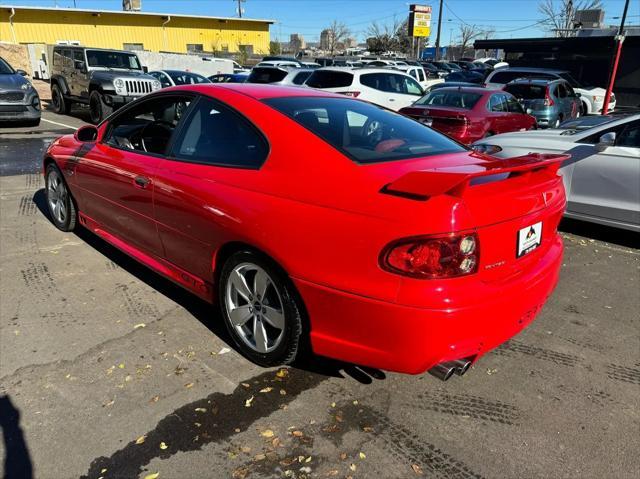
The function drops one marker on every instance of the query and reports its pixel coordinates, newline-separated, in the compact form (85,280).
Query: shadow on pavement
(17,462)
(204,312)
(598,232)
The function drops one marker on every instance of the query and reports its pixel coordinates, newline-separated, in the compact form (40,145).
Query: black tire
(98,108)
(291,306)
(59,103)
(68,220)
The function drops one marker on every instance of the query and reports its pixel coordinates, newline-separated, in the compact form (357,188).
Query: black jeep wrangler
(102,79)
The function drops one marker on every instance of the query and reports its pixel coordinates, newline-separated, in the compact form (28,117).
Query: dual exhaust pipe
(444,371)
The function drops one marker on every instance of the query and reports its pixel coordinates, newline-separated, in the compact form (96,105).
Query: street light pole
(614,67)
(438,35)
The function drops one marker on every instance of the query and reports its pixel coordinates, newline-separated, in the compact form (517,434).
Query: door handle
(141,181)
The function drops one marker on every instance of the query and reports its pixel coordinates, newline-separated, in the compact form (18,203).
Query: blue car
(550,101)
(465,76)
(229,78)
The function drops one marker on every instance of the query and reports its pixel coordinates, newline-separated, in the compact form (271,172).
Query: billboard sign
(420,21)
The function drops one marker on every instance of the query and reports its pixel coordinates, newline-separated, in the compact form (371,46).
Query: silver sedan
(602,178)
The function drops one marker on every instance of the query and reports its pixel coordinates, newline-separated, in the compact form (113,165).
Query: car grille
(12,108)
(138,87)
(12,96)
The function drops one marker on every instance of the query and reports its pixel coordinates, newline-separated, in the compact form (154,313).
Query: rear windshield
(526,92)
(457,99)
(364,132)
(266,75)
(506,76)
(329,79)
(301,77)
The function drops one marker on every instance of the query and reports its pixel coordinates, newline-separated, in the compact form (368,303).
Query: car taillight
(548,101)
(433,257)
(353,94)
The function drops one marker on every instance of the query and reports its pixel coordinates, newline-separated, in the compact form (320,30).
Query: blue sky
(509,18)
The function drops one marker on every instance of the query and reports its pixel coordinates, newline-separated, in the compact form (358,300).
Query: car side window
(78,59)
(377,81)
(216,135)
(410,86)
(421,74)
(497,103)
(68,59)
(561,91)
(630,136)
(513,105)
(164,79)
(148,126)
(570,91)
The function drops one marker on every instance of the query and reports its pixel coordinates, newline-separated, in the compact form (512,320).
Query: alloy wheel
(57,196)
(254,306)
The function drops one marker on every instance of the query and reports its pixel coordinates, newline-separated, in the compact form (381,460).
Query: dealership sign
(420,20)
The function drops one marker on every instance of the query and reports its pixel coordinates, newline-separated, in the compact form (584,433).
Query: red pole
(614,71)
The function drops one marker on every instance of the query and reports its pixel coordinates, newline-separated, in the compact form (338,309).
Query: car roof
(532,69)
(259,91)
(536,81)
(179,72)
(469,89)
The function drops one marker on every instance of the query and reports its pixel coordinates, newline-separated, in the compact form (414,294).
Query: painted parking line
(59,124)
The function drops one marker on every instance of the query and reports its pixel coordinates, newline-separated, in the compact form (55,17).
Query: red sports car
(468,114)
(321,220)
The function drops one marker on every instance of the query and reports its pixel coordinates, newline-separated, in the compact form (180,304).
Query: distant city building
(296,42)
(326,39)
(351,42)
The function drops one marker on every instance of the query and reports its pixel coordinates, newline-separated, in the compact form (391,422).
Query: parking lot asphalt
(108,370)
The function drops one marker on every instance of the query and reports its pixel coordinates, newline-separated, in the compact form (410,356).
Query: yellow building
(157,32)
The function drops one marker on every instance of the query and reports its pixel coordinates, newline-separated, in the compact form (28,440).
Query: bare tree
(559,14)
(390,37)
(337,33)
(468,33)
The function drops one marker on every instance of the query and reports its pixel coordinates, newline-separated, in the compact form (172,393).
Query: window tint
(187,78)
(148,126)
(630,136)
(364,132)
(329,79)
(526,91)
(301,77)
(498,103)
(513,105)
(266,75)
(454,98)
(391,83)
(218,136)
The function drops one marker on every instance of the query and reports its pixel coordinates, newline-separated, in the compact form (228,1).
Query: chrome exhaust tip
(443,371)
(461,366)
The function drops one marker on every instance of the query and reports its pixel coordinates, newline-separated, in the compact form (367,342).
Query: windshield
(362,131)
(5,68)
(572,81)
(266,75)
(187,78)
(456,99)
(107,59)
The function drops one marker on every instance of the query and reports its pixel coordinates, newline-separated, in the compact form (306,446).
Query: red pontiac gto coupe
(309,215)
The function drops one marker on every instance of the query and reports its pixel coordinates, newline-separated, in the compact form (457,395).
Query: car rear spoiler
(453,181)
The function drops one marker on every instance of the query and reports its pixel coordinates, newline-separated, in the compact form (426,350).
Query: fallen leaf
(68,376)
(224,351)
(305,469)
(155,399)
(121,365)
(248,402)
(267,433)
(353,467)
(282,373)
(246,385)
(308,459)
(245,449)
(417,469)
(240,473)
(110,403)
(333,472)
(367,429)
(153,475)
(102,471)
(141,439)
(259,457)
(355,403)
(127,378)
(266,390)
(333,404)
(298,433)
(275,442)
(197,424)
(343,455)
(362,455)
(163,446)
(140,325)
(188,385)
(200,409)
(283,392)
(300,458)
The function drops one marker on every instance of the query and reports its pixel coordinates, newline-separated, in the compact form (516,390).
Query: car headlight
(487,149)
(36,102)
(597,98)
(156,85)
(119,83)
(26,86)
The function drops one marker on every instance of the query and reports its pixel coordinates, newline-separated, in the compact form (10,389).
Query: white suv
(389,88)
(592,97)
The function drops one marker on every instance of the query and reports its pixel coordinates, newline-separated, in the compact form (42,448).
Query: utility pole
(438,34)
(240,2)
(619,38)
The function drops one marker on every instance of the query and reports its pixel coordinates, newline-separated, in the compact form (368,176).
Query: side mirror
(529,111)
(605,141)
(22,72)
(578,94)
(86,134)
(80,65)
(145,69)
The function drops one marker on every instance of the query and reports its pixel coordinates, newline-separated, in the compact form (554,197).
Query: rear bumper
(411,340)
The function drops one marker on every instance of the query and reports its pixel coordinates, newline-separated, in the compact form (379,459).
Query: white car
(419,74)
(592,97)
(278,63)
(392,89)
(602,177)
